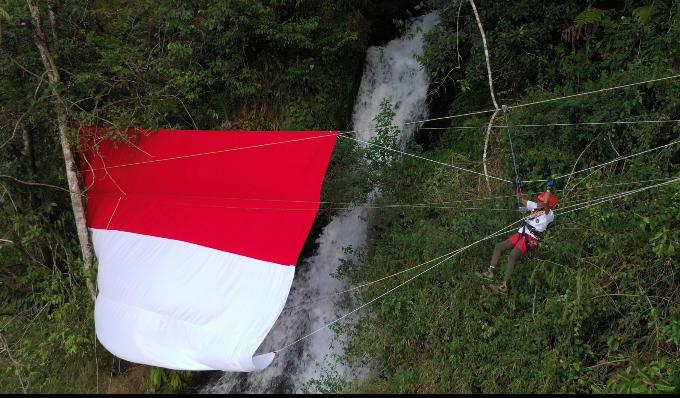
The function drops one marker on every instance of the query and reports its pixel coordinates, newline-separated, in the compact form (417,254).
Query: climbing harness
(538,237)
(529,243)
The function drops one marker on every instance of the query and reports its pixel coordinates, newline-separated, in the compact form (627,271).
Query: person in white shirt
(527,237)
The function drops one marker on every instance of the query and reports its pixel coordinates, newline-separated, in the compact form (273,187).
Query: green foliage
(594,309)
(381,152)
(659,377)
(164,380)
(268,65)
(590,16)
(645,14)
(5,15)
(156,379)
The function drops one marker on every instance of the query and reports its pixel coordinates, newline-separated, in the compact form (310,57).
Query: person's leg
(513,257)
(495,257)
(515,254)
(498,250)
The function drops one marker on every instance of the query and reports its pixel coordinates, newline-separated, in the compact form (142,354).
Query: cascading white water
(393,72)
(390,72)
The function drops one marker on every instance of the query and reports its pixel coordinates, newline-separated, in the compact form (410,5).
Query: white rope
(580,207)
(368,205)
(329,135)
(421,158)
(608,198)
(611,161)
(456,252)
(547,100)
(330,296)
(531,103)
(497,233)
(448,117)
(339,134)
(421,206)
(356,309)
(344,134)
(604,197)
(408,123)
(114,213)
(594,92)
(624,122)
(618,184)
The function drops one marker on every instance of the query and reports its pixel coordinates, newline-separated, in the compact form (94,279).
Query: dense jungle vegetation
(594,309)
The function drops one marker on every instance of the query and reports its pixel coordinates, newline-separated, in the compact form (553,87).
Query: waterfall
(390,72)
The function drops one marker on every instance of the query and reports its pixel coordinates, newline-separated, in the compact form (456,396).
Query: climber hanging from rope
(527,237)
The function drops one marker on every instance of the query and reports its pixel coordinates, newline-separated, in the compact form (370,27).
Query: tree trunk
(493,94)
(486,54)
(69,160)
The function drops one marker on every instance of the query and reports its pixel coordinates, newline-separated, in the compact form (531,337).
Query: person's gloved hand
(518,185)
(551,184)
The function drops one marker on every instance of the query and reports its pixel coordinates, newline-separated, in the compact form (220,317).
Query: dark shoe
(488,274)
(502,288)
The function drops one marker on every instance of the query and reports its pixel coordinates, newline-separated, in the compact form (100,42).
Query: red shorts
(520,242)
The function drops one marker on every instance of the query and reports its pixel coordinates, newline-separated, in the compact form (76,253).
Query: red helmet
(553,200)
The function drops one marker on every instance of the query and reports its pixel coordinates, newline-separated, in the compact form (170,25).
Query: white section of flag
(179,305)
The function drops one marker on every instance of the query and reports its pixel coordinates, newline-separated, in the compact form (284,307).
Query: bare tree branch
(30,108)
(69,158)
(33,183)
(4,348)
(16,210)
(440,82)
(493,94)
(566,184)
(486,54)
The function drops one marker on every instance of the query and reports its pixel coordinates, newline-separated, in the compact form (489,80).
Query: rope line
(580,207)
(512,150)
(612,161)
(546,100)
(456,252)
(624,122)
(499,178)
(219,151)
(369,205)
(420,157)
(607,198)
(341,134)
(366,206)
(604,197)
(499,232)
(595,91)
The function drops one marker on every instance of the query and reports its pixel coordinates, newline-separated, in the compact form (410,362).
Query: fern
(590,15)
(645,14)
(4,14)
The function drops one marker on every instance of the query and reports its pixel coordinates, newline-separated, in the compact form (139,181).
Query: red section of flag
(254,194)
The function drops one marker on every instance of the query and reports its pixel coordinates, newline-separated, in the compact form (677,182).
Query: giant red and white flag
(197,234)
